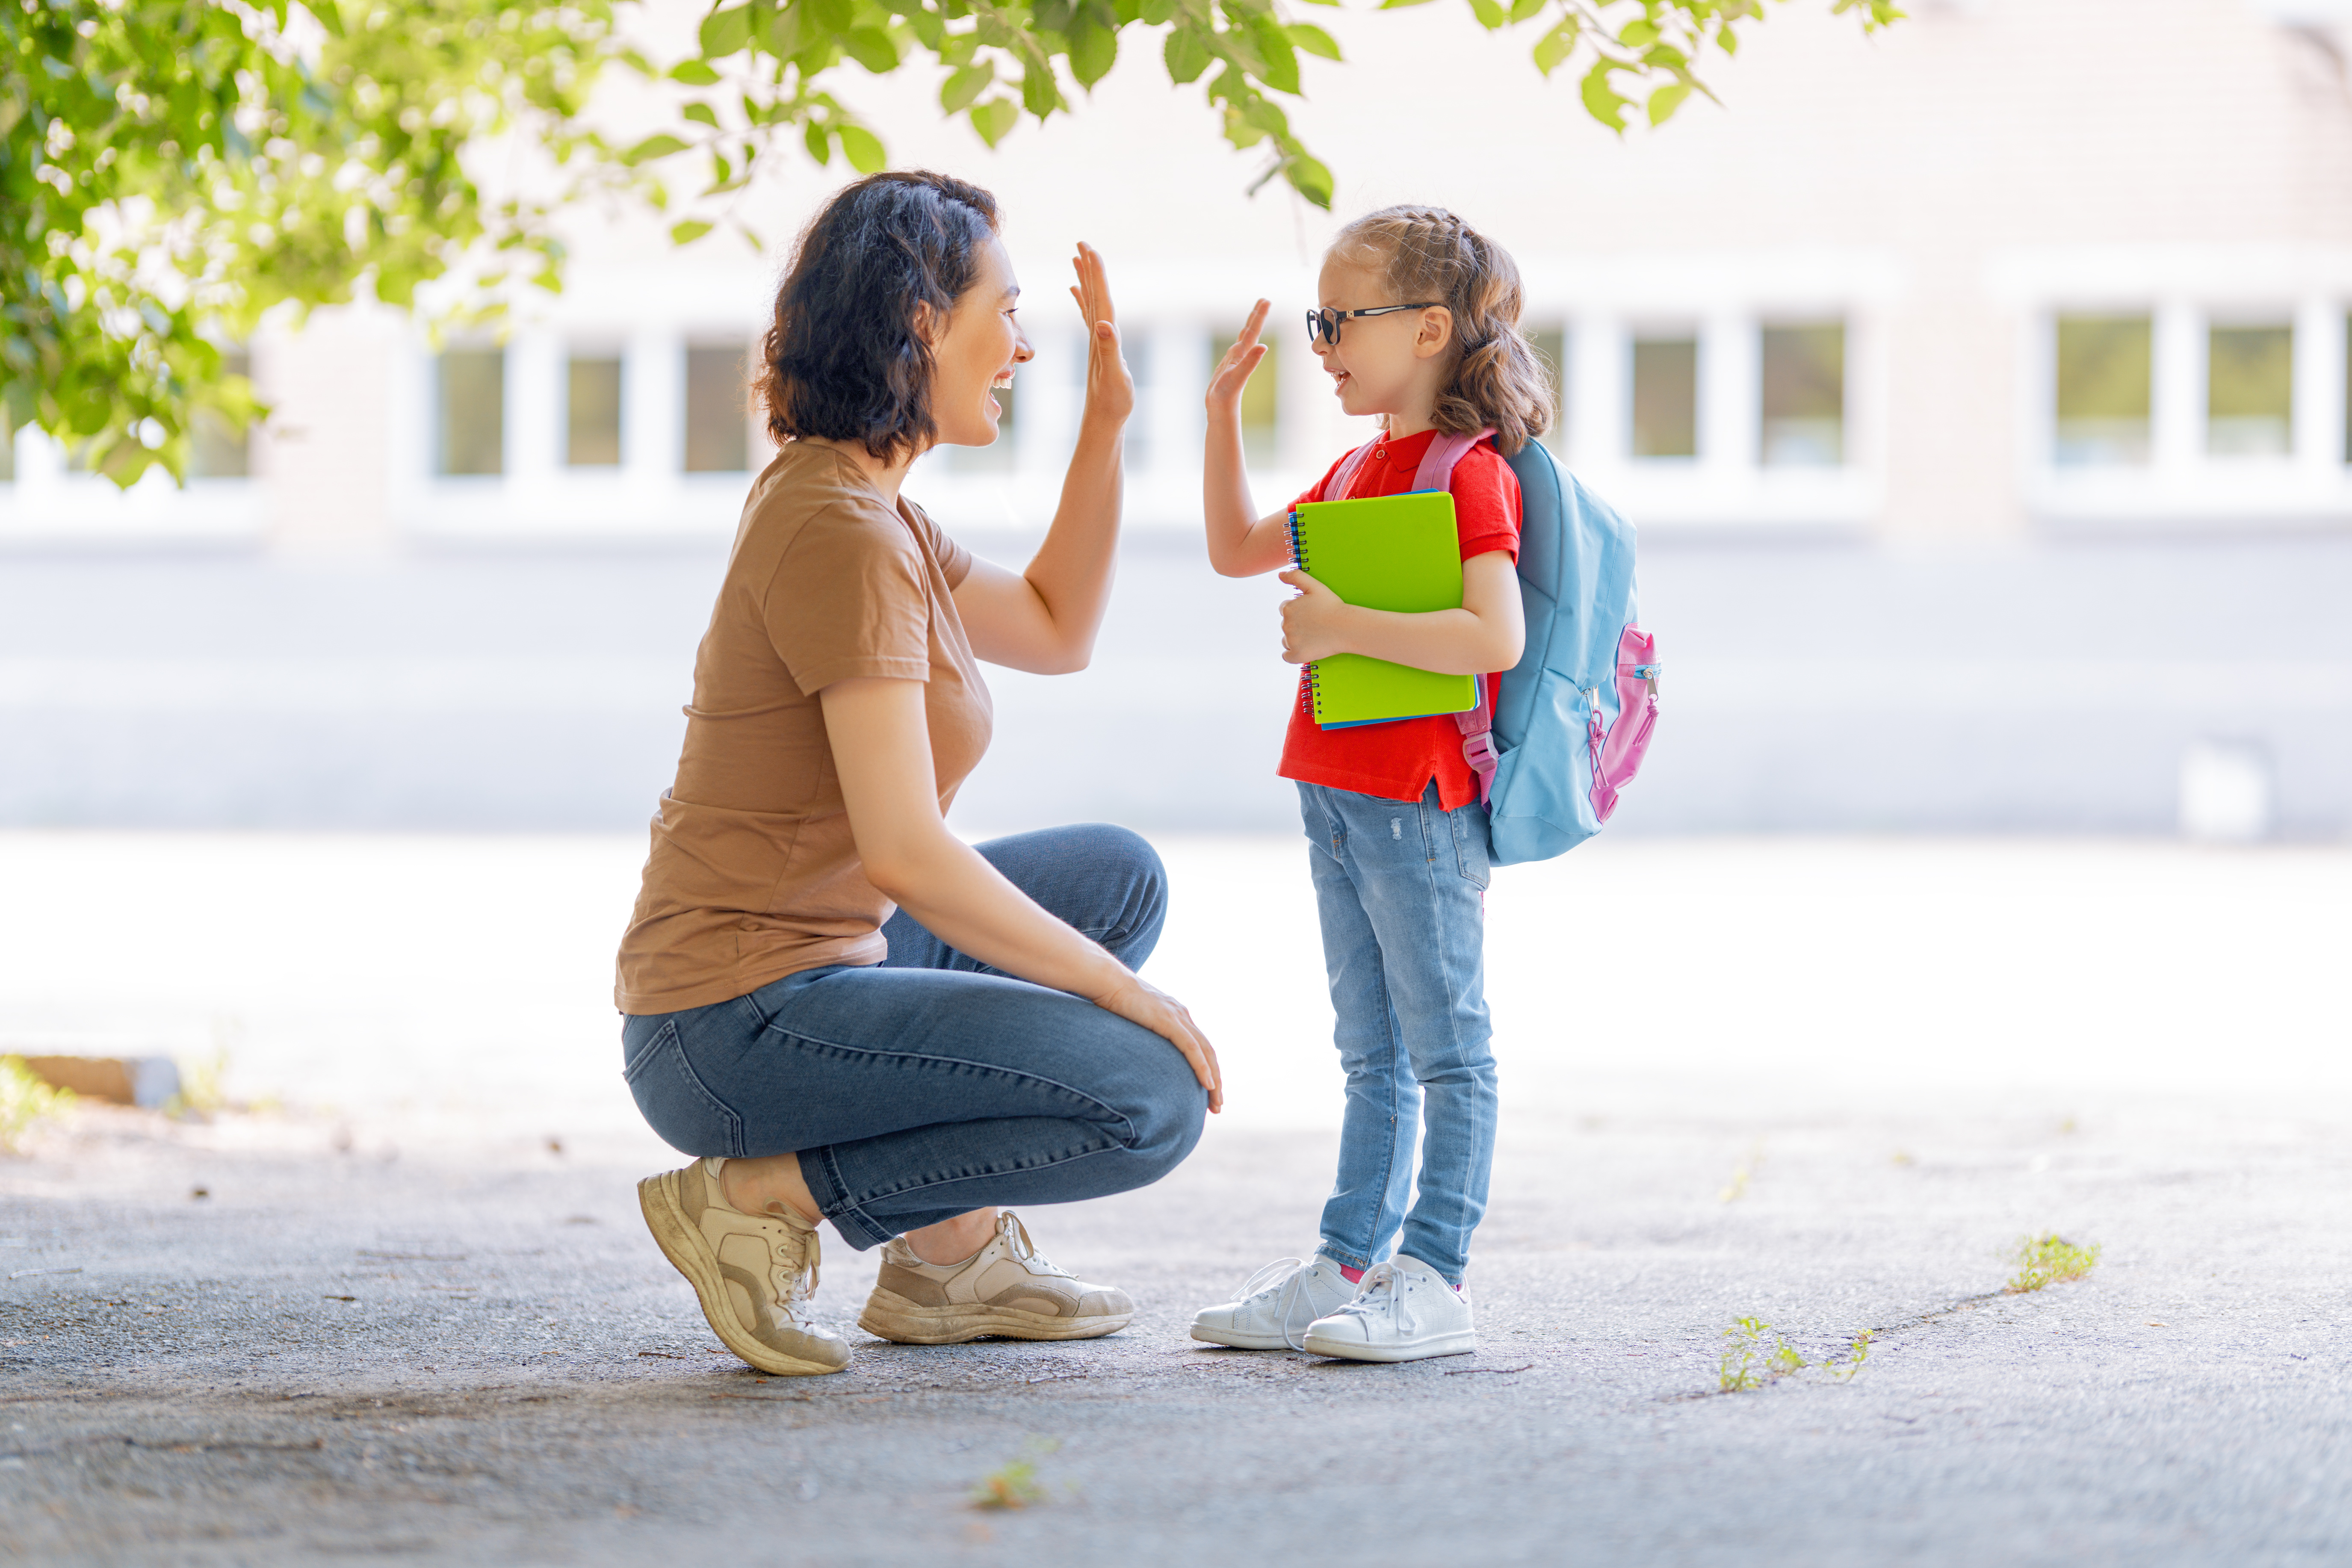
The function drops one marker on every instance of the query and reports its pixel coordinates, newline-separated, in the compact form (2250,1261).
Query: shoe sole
(684,1246)
(892,1317)
(1443,1344)
(1239,1341)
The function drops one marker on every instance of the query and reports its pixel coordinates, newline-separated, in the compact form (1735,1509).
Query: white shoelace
(1382,1291)
(1287,1276)
(1017,1243)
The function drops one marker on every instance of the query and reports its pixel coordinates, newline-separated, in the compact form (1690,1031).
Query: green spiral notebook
(1388,552)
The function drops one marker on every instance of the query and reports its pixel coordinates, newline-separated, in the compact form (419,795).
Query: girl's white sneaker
(1403,1311)
(1274,1305)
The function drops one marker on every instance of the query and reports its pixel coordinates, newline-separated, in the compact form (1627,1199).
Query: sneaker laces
(795,1279)
(1381,1291)
(1287,1276)
(1018,1245)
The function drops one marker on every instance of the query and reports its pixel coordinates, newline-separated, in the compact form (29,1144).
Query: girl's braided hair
(1427,253)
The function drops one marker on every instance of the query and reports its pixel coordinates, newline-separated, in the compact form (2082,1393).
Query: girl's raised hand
(1110,389)
(1233,372)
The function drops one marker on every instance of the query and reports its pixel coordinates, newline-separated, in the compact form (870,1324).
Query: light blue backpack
(1569,724)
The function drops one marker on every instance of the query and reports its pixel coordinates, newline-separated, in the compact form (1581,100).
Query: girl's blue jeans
(1400,887)
(931,1085)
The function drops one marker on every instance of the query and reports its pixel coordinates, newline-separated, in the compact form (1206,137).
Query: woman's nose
(1022,352)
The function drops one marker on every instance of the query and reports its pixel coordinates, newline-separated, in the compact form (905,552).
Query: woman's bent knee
(1166,1116)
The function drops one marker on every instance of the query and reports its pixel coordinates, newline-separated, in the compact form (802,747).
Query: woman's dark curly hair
(844,358)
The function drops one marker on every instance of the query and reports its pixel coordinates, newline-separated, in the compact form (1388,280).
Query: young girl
(1419,325)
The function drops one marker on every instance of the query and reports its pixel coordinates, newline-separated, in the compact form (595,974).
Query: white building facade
(1980,390)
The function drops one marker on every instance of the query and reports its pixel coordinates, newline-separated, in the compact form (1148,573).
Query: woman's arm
(1044,620)
(1239,545)
(882,751)
(1487,632)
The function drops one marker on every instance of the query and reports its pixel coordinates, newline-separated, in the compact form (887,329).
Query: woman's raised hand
(1110,389)
(1138,1001)
(1233,372)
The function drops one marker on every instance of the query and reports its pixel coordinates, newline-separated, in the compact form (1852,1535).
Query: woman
(900,1074)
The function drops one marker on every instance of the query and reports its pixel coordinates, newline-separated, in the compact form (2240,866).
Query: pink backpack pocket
(1617,752)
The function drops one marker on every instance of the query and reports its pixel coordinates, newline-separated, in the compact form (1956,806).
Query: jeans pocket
(675,1101)
(1470,856)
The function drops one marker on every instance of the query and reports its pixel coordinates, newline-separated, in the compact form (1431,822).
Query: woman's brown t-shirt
(753,874)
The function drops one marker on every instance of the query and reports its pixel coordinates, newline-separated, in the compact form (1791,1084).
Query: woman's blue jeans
(930,1084)
(1401,888)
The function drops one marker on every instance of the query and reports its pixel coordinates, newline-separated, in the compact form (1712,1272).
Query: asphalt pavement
(302,1338)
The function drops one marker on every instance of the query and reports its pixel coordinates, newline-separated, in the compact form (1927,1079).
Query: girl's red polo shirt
(1397,759)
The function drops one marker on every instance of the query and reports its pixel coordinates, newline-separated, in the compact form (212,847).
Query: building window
(473,424)
(2106,366)
(1261,402)
(1803,396)
(1665,398)
(718,411)
(591,412)
(1551,344)
(2250,390)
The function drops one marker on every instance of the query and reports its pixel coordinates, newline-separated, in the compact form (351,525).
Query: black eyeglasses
(1323,326)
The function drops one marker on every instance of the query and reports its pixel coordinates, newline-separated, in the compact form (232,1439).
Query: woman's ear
(1435,332)
(927,322)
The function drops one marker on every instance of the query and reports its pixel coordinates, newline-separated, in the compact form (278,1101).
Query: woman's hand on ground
(1233,372)
(1313,623)
(1138,1001)
(1110,387)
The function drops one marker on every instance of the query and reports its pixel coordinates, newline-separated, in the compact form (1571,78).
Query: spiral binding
(1310,689)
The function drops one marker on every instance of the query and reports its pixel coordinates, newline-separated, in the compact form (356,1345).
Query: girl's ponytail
(1427,253)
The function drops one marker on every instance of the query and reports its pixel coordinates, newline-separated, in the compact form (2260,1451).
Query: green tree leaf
(1309,179)
(1601,98)
(1555,46)
(660,145)
(689,231)
(963,86)
(863,149)
(1280,70)
(1185,55)
(1491,15)
(1666,100)
(726,32)
(871,48)
(701,114)
(1315,40)
(1094,49)
(693,73)
(995,118)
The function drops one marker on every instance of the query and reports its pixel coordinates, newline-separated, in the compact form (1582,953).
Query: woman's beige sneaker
(754,1273)
(1005,1288)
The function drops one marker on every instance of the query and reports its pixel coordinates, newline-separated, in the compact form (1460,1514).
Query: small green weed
(24,1101)
(1014,1484)
(2049,1259)
(1755,1355)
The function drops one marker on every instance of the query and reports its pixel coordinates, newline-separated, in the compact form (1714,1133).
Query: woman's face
(976,352)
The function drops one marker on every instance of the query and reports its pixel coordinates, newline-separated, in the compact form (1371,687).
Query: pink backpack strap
(1345,474)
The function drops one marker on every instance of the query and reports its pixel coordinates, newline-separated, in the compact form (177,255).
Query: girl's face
(975,352)
(1381,364)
